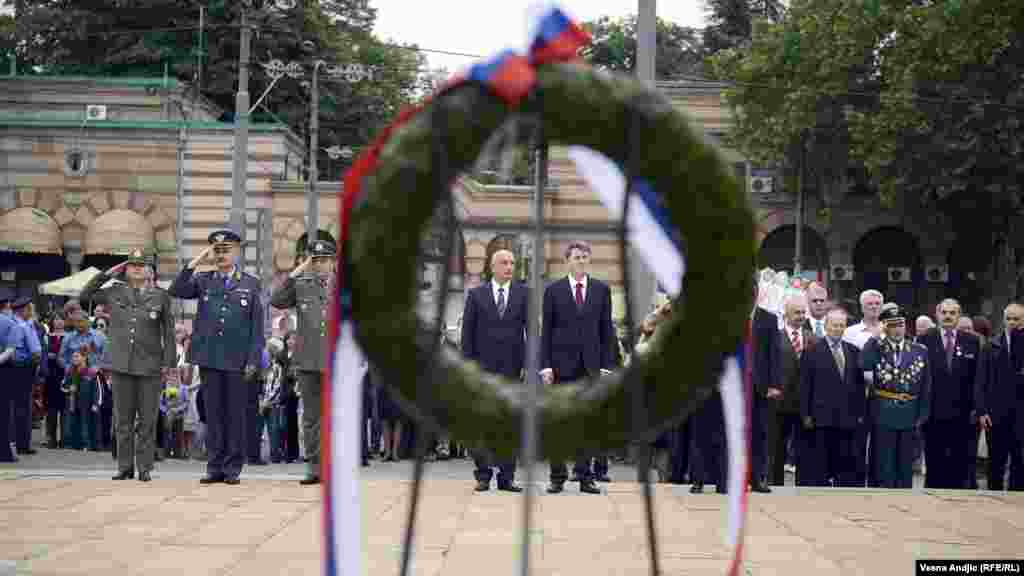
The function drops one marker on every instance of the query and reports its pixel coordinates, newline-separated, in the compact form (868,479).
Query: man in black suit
(764,374)
(577,342)
(953,359)
(998,398)
(494,336)
(831,406)
(784,395)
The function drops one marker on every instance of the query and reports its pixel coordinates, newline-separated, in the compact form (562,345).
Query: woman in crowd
(55,413)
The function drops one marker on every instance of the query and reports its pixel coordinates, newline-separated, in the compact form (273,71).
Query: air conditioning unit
(761,181)
(95,112)
(841,273)
(899,274)
(939,274)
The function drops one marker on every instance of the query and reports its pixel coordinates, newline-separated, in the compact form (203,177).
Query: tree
(923,99)
(679,50)
(730,21)
(150,37)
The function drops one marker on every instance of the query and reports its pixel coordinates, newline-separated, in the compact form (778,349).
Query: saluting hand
(301,268)
(204,255)
(115,270)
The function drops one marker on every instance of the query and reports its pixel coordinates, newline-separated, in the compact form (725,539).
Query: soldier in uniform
(899,382)
(142,355)
(227,346)
(308,290)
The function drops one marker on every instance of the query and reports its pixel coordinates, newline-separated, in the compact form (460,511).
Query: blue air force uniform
(227,340)
(8,330)
(899,388)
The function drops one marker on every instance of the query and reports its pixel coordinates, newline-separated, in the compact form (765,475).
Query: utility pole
(642,284)
(240,164)
(798,254)
(312,194)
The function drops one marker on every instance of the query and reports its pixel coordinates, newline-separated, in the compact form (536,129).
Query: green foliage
(142,37)
(730,22)
(679,50)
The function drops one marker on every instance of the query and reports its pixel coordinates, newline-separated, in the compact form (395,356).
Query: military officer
(227,346)
(899,382)
(308,290)
(142,355)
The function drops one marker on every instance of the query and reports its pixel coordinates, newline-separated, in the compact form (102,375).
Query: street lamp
(351,73)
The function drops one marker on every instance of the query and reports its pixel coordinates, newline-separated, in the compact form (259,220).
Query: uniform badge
(305,305)
(244,302)
(206,297)
(153,314)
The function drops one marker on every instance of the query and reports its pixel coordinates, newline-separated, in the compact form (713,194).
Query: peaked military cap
(323,249)
(224,237)
(21,302)
(139,256)
(891,313)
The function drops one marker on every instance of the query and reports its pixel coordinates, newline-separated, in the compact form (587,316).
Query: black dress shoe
(27,451)
(144,476)
(211,479)
(555,488)
(232,481)
(697,488)
(482,486)
(721,489)
(589,487)
(310,480)
(760,487)
(603,478)
(9,459)
(509,488)
(257,462)
(366,462)
(124,475)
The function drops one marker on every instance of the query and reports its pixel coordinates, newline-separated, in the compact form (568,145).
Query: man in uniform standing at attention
(308,290)
(227,346)
(142,355)
(897,374)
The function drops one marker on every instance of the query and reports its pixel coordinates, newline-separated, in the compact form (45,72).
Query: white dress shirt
(494,290)
(572,286)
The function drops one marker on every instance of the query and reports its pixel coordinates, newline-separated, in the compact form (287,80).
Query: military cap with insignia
(323,249)
(891,314)
(139,256)
(224,237)
(20,303)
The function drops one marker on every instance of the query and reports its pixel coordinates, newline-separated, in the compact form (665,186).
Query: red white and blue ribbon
(510,76)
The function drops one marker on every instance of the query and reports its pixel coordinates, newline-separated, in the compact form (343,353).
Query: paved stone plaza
(74,520)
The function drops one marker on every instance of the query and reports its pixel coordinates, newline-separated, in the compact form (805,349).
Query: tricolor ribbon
(510,76)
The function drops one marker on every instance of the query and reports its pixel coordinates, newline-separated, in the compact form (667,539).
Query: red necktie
(950,342)
(579,294)
(795,339)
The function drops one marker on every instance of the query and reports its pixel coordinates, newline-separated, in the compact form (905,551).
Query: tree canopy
(150,37)
(679,49)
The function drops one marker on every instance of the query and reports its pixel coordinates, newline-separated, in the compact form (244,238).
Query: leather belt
(902,396)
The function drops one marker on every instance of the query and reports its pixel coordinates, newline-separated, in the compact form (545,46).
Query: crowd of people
(836,403)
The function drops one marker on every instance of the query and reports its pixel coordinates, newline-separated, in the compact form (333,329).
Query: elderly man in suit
(784,396)
(998,399)
(578,341)
(831,405)
(227,346)
(142,351)
(953,359)
(898,377)
(494,336)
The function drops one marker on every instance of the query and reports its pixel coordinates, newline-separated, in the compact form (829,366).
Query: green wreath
(576,105)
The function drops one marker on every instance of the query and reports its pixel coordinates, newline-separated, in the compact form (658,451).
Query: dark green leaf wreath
(577,105)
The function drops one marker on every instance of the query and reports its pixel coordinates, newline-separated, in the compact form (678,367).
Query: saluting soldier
(308,290)
(227,346)
(142,355)
(899,382)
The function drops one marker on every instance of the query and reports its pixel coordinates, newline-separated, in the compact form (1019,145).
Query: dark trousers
(7,375)
(600,466)
(253,422)
(581,467)
(708,451)
(21,386)
(681,454)
(55,414)
(225,422)
(291,411)
(759,421)
(106,417)
(136,407)
(946,453)
(1004,442)
(485,463)
(785,429)
(863,455)
(830,455)
(972,457)
(894,457)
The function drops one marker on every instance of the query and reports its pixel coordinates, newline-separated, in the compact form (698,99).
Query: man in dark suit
(764,374)
(998,398)
(831,406)
(577,342)
(953,359)
(494,336)
(784,396)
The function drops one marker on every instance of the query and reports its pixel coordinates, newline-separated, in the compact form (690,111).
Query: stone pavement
(77,521)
